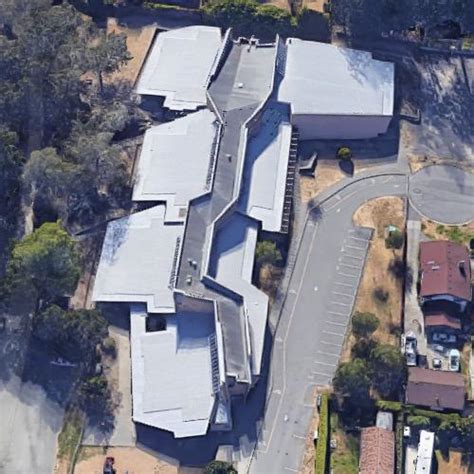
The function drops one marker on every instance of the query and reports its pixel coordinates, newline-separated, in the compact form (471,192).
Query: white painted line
(347,265)
(342,294)
(298,436)
(335,324)
(346,254)
(309,405)
(331,344)
(325,363)
(339,314)
(333,333)
(290,469)
(329,354)
(344,284)
(348,275)
(340,304)
(355,248)
(321,373)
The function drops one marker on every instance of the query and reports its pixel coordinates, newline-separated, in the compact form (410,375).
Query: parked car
(446,338)
(437,364)
(406,431)
(315,435)
(454,358)
(410,349)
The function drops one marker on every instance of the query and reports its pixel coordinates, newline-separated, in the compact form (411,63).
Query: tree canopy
(388,369)
(45,263)
(352,380)
(267,252)
(364,324)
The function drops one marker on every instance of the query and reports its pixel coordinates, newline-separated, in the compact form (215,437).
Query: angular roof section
(377,451)
(435,389)
(138,261)
(445,269)
(172,373)
(179,65)
(323,79)
(442,319)
(177,160)
(265,170)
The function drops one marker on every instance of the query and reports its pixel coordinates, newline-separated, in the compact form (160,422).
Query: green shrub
(395,240)
(344,153)
(364,324)
(109,346)
(388,405)
(420,422)
(323,441)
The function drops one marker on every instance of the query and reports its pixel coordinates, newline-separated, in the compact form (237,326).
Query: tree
(352,381)
(107,54)
(219,467)
(344,153)
(364,324)
(267,252)
(45,263)
(388,370)
(75,335)
(395,240)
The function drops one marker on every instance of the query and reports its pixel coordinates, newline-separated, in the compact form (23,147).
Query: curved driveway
(314,319)
(443,193)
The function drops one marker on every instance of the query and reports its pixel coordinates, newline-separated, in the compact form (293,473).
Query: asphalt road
(314,320)
(443,193)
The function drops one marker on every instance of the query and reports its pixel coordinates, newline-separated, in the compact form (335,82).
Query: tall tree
(388,370)
(45,264)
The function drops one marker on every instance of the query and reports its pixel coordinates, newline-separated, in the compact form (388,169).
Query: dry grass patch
(139,40)
(377,278)
(315,5)
(91,460)
(269,279)
(461,234)
(456,463)
(327,174)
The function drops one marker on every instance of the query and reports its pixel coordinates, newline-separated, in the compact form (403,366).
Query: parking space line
(352,256)
(354,247)
(342,294)
(331,344)
(347,265)
(344,284)
(333,333)
(290,469)
(339,314)
(315,372)
(325,363)
(340,304)
(335,324)
(346,275)
(329,354)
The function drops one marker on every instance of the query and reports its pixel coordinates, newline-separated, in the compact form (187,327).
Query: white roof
(176,160)
(425,452)
(323,79)
(265,170)
(179,64)
(138,261)
(232,266)
(172,372)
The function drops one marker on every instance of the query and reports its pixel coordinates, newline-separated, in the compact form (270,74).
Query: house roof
(324,79)
(442,319)
(138,261)
(173,384)
(377,451)
(436,389)
(177,160)
(445,269)
(179,65)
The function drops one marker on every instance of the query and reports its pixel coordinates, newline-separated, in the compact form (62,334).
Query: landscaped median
(323,434)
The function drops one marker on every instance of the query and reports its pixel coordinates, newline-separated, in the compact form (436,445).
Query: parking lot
(343,291)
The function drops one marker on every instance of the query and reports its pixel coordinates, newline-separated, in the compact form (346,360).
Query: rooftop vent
(435,267)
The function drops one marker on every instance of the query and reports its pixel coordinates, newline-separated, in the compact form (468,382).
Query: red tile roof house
(435,389)
(445,273)
(377,451)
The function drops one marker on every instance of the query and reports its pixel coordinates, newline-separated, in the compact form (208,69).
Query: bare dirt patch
(378,214)
(139,40)
(457,463)
(283,4)
(328,173)
(132,460)
(315,5)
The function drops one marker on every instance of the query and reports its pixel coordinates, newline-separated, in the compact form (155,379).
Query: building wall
(339,126)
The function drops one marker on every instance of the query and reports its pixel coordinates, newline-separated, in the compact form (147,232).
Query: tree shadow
(347,167)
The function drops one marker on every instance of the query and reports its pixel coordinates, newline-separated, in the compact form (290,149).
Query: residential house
(377,451)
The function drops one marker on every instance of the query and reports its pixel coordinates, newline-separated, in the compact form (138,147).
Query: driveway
(320,297)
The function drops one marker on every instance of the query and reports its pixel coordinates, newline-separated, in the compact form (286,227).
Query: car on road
(446,338)
(454,358)
(437,364)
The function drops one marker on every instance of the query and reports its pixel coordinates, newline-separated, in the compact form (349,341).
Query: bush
(395,240)
(109,346)
(344,153)
(267,252)
(219,467)
(364,324)
(388,405)
(322,446)
(380,294)
(419,422)
(363,348)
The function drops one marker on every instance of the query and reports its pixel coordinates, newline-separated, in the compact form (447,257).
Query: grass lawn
(69,437)
(345,458)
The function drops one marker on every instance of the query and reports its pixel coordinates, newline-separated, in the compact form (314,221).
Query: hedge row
(323,438)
